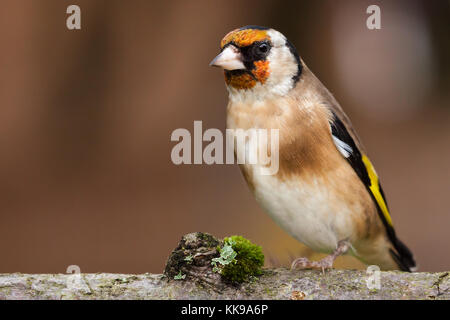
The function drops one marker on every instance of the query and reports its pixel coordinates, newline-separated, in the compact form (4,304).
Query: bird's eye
(263,48)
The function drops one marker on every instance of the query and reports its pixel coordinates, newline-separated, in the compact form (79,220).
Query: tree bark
(273,284)
(190,263)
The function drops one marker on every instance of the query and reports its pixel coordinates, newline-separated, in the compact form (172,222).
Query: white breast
(306,210)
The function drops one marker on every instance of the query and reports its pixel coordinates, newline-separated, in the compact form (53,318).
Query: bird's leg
(325,263)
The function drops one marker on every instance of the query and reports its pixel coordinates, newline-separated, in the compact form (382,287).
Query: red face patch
(243,38)
(260,71)
(247,80)
(240,81)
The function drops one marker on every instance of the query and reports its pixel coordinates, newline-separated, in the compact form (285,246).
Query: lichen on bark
(202,283)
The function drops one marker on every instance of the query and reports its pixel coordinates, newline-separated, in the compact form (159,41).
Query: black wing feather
(402,255)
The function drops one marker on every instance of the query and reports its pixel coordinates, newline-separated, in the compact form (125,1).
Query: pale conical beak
(229,59)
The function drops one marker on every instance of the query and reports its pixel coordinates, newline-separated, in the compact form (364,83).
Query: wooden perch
(200,282)
(274,284)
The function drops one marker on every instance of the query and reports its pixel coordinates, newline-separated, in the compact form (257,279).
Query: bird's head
(258,62)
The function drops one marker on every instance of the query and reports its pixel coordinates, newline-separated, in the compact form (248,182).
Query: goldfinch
(326,193)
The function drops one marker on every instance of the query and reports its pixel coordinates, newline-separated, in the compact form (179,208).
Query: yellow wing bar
(375,189)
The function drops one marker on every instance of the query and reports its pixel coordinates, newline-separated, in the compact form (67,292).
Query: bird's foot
(305,263)
(323,264)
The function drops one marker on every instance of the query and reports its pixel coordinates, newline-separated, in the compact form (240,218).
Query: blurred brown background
(86,118)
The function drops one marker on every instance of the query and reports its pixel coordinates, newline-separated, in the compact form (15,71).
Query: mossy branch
(273,284)
(201,282)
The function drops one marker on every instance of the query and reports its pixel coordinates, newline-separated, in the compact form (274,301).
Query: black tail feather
(403,256)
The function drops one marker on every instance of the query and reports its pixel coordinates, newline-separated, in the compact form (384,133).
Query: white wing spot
(343,148)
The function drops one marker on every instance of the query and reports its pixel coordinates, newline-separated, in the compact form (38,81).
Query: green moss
(179,276)
(243,262)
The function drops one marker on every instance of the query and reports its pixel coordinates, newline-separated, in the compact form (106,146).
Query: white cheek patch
(343,148)
(276,38)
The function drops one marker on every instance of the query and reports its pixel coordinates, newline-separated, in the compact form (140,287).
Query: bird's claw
(305,263)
